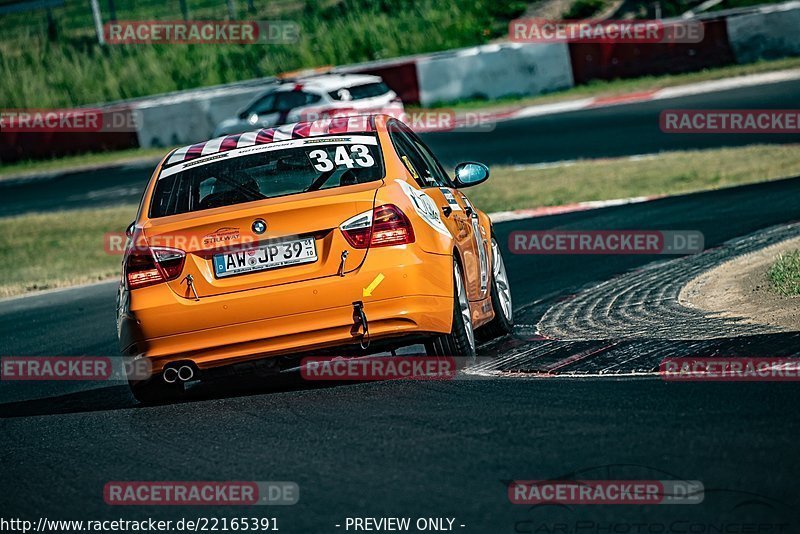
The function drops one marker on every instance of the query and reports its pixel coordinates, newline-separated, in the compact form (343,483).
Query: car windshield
(359,92)
(266,171)
(281,101)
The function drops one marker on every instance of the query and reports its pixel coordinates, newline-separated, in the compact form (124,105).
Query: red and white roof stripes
(298,130)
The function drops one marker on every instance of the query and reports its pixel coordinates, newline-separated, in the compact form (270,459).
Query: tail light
(147,266)
(384,226)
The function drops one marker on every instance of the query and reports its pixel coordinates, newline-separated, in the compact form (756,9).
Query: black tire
(460,342)
(503,322)
(155,391)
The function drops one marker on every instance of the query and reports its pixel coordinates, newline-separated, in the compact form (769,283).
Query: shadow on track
(118,397)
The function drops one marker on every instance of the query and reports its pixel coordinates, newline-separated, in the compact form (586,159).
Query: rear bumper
(414,297)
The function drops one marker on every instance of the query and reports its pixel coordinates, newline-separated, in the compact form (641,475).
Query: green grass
(22,168)
(73,69)
(69,68)
(34,256)
(603,88)
(667,173)
(784,275)
(49,250)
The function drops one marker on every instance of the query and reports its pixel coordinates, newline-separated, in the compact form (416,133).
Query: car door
(478,242)
(456,214)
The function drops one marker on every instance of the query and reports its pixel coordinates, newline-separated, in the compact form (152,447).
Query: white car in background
(312,98)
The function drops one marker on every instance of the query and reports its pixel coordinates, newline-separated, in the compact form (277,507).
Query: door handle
(447,210)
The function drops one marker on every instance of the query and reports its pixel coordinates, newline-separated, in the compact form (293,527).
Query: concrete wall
(189,118)
(494,71)
(771,32)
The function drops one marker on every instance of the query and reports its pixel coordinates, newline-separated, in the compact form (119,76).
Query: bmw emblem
(259,226)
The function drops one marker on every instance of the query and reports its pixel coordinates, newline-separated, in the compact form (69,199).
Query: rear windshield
(359,92)
(266,171)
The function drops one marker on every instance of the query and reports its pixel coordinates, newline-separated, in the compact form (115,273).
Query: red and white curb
(678,91)
(544,211)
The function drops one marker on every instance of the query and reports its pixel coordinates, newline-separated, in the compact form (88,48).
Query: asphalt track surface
(621,130)
(444,448)
(449,448)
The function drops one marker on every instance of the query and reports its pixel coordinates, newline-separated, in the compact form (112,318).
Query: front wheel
(461,339)
(500,291)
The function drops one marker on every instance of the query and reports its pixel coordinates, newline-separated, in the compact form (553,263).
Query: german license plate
(269,256)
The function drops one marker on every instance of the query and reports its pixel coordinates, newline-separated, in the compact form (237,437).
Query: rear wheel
(500,292)
(461,339)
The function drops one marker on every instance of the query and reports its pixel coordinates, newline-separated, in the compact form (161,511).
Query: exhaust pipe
(170,375)
(185,373)
(178,372)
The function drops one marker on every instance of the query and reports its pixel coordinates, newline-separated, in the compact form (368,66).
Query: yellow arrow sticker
(367,292)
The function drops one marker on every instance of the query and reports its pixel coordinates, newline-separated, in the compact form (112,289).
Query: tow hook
(360,322)
(344,259)
(190,285)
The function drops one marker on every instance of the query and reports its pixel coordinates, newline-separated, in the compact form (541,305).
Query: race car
(334,234)
(315,97)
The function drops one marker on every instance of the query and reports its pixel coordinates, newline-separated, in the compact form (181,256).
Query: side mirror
(471,173)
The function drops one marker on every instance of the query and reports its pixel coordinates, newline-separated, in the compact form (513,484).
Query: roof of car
(328,82)
(297,130)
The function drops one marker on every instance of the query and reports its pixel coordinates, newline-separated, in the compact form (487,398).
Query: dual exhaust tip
(178,372)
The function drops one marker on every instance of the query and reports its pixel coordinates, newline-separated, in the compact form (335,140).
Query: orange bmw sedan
(342,234)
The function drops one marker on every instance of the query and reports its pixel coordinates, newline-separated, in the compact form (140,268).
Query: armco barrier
(606,61)
(768,33)
(493,71)
(45,145)
(118,133)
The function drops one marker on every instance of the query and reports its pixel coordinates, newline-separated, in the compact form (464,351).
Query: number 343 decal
(357,157)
